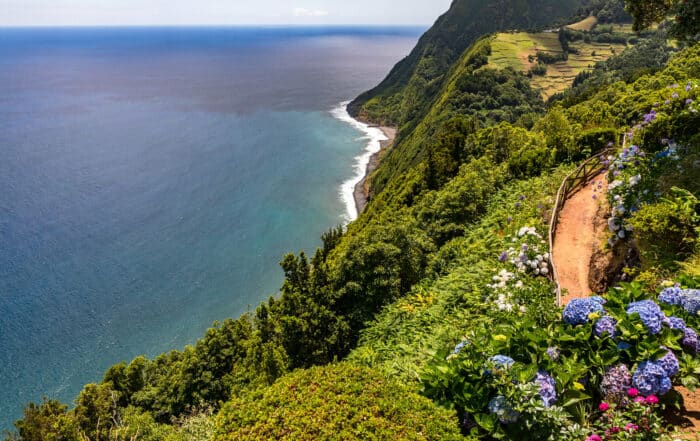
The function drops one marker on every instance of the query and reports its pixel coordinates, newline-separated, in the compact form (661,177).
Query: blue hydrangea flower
(502,361)
(650,313)
(615,382)
(651,379)
(675,323)
(553,353)
(691,300)
(578,310)
(460,346)
(548,390)
(500,407)
(671,296)
(605,325)
(690,341)
(669,363)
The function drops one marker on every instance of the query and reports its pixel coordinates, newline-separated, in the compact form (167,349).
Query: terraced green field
(514,49)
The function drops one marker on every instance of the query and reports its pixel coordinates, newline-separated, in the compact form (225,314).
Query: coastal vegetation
(433,315)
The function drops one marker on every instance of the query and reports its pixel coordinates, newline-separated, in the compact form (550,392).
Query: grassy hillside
(409,87)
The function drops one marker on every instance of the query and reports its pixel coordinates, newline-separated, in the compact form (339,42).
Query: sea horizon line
(213,26)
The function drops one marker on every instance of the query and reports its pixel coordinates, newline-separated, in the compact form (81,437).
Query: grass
(514,50)
(407,334)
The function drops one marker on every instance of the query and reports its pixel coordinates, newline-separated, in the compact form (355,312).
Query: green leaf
(573,397)
(486,421)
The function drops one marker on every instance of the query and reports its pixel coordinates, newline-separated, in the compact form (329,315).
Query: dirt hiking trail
(576,239)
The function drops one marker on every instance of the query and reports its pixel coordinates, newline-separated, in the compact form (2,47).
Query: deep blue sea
(151,179)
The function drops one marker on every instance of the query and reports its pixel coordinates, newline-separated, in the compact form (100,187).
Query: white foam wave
(374,137)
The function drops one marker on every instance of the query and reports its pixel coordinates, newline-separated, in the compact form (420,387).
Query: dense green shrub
(336,402)
(550,58)
(539,69)
(615,37)
(589,142)
(667,231)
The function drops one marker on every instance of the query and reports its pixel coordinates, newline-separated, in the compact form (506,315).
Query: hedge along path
(572,236)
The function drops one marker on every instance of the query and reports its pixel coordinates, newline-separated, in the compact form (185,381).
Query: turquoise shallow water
(151,179)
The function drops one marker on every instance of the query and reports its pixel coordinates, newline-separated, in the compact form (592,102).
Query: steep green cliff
(409,88)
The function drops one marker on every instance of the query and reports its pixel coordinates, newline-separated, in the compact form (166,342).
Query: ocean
(151,179)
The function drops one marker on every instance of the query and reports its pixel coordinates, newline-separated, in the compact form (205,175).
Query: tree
(686,25)
(648,12)
(48,421)
(96,410)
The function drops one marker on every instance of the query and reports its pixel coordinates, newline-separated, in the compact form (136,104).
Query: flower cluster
(651,378)
(672,296)
(691,341)
(501,361)
(650,313)
(579,311)
(605,325)
(458,348)
(528,257)
(505,412)
(616,381)
(669,363)
(502,290)
(635,419)
(623,190)
(691,300)
(690,335)
(547,388)
(553,353)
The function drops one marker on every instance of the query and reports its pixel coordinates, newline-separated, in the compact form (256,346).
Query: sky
(219,12)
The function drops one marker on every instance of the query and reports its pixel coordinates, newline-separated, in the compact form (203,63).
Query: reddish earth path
(690,418)
(576,239)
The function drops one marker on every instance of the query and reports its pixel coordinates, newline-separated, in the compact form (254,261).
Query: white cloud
(309,13)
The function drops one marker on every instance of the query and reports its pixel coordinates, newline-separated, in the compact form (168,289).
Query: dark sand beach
(362,191)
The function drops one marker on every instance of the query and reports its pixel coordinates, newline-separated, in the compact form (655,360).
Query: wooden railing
(589,169)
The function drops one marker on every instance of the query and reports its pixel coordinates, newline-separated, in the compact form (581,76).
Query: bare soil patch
(576,239)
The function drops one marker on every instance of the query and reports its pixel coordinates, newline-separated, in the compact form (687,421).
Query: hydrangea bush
(607,369)
(631,172)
